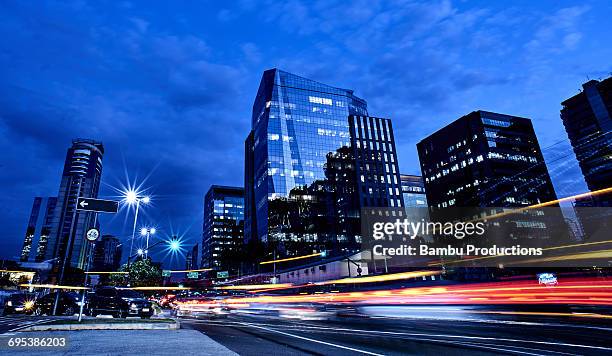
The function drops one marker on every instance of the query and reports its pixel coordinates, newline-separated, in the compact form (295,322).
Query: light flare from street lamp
(175,245)
(143,231)
(131,196)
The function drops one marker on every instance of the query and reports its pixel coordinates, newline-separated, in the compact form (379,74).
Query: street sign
(223,274)
(165,273)
(98,205)
(193,275)
(92,234)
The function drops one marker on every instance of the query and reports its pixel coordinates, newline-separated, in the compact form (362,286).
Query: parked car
(19,303)
(119,303)
(69,304)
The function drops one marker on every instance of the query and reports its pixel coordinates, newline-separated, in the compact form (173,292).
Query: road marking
(38,322)
(436,335)
(313,340)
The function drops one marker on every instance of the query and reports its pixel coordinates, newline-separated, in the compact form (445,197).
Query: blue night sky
(168,86)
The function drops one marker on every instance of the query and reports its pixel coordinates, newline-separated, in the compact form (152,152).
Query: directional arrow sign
(99,205)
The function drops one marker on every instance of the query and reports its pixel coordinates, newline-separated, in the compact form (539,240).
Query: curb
(104,326)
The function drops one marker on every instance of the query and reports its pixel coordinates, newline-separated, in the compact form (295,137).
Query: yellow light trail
(11,271)
(193,270)
(257,286)
(52,286)
(104,272)
(551,202)
(157,288)
(292,258)
(543,249)
(381,278)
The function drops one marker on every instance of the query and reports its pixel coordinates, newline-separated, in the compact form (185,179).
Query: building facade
(80,178)
(38,229)
(378,177)
(484,159)
(191,259)
(587,118)
(223,228)
(413,191)
(107,254)
(296,122)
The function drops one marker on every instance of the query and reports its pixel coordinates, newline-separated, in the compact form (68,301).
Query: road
(12,323)
(425,335)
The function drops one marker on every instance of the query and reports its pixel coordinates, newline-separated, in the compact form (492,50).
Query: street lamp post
(145,231)
(132,198)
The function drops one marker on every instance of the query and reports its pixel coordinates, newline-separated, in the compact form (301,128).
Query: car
(120,303)
(19,303)
(69,303)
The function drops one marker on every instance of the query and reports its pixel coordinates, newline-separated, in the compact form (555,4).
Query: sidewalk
(124,342)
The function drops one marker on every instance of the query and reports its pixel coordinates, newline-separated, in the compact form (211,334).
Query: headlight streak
(571,291)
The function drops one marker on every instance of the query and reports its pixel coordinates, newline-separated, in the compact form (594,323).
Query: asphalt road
(12,323)
(491,334)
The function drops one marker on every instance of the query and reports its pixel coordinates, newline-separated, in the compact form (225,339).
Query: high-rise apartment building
(587,118)
(80,178)
(485,159)
(223,228)
(38,229)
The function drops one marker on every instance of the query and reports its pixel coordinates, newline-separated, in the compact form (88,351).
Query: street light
(147,232)
(131,197)
(175,245)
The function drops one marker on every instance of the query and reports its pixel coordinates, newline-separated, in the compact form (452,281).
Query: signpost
(92,234)
(98,205)
(223,274)
(166,273)
(193,275)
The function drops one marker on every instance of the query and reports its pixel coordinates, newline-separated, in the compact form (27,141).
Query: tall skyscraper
(485,159)
(413,191)
(80,178)
(223,228)
(377,169)
(38,229)
(587,118)
(107,254)
(250,211)
(296,122)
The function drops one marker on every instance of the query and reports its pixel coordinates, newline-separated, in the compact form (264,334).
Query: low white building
(334,268)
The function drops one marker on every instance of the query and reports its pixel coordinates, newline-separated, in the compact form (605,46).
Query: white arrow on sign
(83,204)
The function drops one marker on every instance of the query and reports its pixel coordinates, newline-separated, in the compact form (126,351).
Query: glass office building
(39,228)
(485,159)
(223,228)
(296,122)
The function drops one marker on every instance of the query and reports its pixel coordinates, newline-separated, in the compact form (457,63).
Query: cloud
(558,32)
(251,52)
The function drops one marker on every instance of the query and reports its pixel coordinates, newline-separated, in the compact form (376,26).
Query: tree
(141,273)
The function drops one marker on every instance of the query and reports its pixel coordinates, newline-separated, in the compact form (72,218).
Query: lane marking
(443,336)
(488,346)
(313,340)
